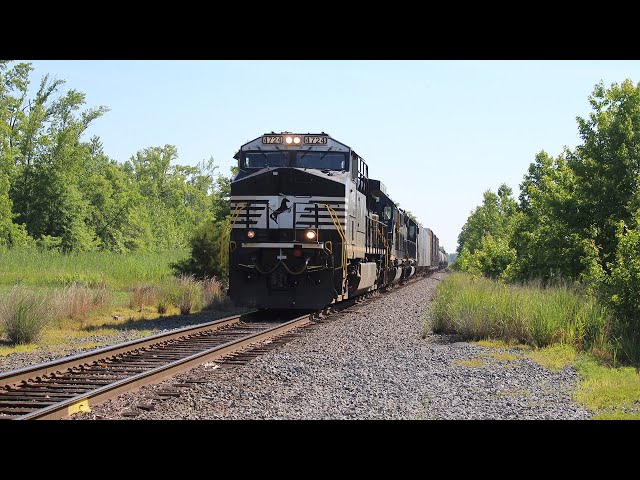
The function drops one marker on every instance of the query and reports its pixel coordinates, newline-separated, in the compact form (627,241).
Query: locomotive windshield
(303,159)
(321,160)
(265,159)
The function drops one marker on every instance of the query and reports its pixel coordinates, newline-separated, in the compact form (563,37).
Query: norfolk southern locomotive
(310,228)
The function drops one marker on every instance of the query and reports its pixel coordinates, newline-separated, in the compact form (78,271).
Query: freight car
(309,227)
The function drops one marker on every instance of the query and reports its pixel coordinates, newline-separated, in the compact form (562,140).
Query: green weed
(24,314)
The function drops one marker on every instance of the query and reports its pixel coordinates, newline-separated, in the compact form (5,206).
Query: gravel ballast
(370,363)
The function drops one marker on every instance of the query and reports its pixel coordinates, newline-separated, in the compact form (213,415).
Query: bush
(190,296)
(163,306)
(142,294)
(168,293)
(209,252)
(76,301)
(622,291)
(213,294)
(102,295)
(24,315)
(494,258)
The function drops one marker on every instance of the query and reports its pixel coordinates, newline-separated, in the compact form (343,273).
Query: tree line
(60,191)
(577,217)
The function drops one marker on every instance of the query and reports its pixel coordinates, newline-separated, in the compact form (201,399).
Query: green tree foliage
(176,197)
(220,205)
(546,239)
(570,206)
(622,289)
(483,243)
(66,193)
(495,256)
(607,165)
(494,217)
(210,242)
(11,234)
(13,83)
(411,216)
(209,252)
(48,158)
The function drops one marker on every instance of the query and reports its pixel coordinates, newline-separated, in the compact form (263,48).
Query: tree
(220,205)
(621,289)
(210,241)
(607,165)
(547,242)
(48,157)
(484,242)
(13,88)
(494,217)
(176,196)
(411,216)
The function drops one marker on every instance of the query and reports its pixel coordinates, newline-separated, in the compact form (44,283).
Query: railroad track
(70,385)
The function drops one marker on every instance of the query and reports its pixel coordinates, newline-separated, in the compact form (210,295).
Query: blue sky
(437,133)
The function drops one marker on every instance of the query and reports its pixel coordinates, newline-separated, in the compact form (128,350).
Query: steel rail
(15,377)
(82,401)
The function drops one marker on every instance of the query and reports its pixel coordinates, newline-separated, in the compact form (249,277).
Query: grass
(66,330)
(554,357)
(503,357)
(482,309)
(611,393)
(556,327)
(90,269)
(99,293)
(24,314)
(190,294)
(493,343)
(76,301)
(475,362)
(24,348)
(142,294)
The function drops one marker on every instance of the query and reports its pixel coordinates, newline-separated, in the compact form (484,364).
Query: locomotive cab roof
(313,151)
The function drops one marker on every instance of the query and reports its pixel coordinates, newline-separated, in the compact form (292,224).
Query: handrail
(386,250)
(227,231)
(338,225)
(236,213)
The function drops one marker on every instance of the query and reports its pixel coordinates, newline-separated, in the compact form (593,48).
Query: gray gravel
(371,363)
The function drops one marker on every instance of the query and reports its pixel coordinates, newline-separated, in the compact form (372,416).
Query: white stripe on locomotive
(274,211)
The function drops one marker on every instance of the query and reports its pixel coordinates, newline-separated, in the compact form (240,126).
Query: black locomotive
(310,228)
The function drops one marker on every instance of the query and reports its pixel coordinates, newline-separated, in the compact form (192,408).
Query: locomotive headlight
(251,234)
(292,140)
(310,235)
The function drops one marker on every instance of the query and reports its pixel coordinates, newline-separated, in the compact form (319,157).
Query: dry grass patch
(142,294)
(503,357)
(475,362)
